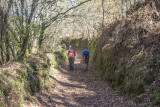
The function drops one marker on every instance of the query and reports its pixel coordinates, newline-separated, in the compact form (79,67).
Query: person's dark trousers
(71,64)
(86,61)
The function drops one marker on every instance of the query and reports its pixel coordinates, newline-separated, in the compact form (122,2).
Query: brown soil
(80,89)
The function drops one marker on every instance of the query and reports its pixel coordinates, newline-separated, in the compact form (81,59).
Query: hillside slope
(127,55)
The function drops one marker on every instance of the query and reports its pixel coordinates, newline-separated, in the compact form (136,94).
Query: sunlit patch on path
(80,88)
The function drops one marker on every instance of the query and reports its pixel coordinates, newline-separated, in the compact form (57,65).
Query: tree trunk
(41,36)
(6,38)
(102,15)
(27,34)
(122,10)
(24,44)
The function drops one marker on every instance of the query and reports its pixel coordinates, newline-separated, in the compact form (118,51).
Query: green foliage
(20,82)
(77,44)
(7,85)
(149,77)
(56,67)
(129,83)
(27,52)
(46,65)
(60,56)
(92,47)
(35,67)
(27,87)
(2,99)
(155,97)
(21,74)
(25,60)
(44,75)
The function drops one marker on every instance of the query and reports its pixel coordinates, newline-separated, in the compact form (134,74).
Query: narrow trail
(80,89)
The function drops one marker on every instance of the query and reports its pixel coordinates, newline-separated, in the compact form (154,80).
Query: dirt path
(80,89)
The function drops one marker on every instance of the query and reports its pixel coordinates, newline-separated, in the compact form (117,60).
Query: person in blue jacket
(85,55)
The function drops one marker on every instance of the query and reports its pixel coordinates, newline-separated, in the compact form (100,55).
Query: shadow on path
(80,88)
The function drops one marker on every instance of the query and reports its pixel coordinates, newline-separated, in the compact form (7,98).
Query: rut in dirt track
(81,88)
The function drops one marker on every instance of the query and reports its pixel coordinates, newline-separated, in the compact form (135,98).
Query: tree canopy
(29,25)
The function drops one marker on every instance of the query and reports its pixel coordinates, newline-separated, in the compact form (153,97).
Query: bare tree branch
(63,13)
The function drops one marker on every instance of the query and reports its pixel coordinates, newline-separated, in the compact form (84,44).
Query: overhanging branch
(63,13)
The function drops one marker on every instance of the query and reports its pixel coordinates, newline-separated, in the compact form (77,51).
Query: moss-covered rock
(27,79)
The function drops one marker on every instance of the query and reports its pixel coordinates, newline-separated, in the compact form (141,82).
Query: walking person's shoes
(86,69)
(72,69)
